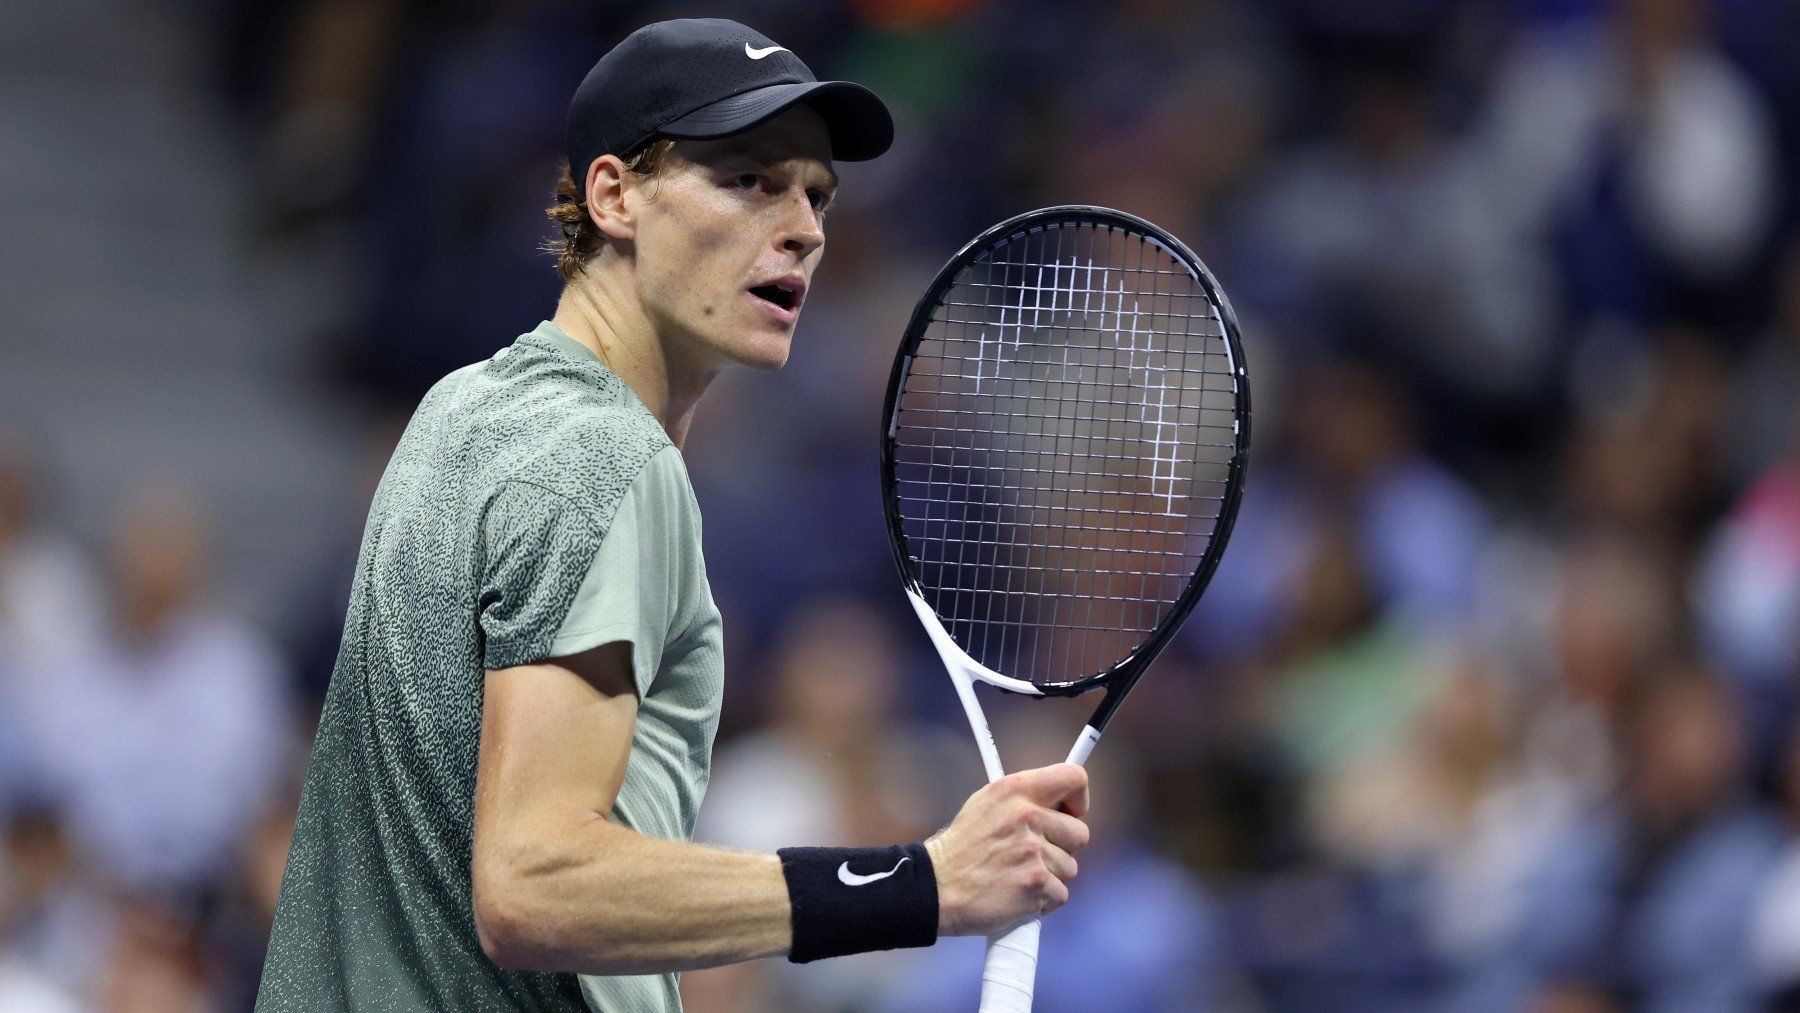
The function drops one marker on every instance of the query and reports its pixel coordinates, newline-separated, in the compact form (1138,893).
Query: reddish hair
(578,240)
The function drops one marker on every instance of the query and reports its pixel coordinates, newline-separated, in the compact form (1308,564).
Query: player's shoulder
(560,423)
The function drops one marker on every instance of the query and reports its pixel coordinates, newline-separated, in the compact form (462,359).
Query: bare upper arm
(555,739)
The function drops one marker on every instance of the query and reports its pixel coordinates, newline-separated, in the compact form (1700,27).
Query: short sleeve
(536,547)
(644,571)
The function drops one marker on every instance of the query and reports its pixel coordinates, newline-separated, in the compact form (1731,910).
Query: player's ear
(606,185)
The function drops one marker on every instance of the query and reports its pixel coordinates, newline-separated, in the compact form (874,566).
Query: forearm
(603,899)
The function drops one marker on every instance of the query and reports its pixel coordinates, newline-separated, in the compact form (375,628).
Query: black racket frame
(1119,678)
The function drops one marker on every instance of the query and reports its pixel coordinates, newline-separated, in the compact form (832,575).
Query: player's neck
(625,340)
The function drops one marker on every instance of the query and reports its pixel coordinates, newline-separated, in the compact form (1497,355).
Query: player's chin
(768,364)
(764,349)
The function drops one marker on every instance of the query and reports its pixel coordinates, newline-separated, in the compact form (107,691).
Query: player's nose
(802,231)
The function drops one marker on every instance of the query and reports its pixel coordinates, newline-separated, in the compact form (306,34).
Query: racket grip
(1011,971)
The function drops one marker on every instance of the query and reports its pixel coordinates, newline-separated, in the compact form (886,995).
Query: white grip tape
(1011,971)
(1084,746)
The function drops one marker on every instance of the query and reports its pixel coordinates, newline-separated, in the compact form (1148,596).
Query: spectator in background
(1642,154)
(1384,224)
(1748,597)
(1647,904)
(1356,674)
(49,595)
(50,920)
(1416,530)
(237,928)
(1641,459)
(156,963)
(1746,587)
(1420,529)
(1775,927)
(163,739)
(48,603)
(1763,424)
(1612,615)
(1450,804)
(1347,682)
(22,992)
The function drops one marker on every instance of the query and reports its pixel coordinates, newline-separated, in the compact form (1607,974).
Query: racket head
(984,474)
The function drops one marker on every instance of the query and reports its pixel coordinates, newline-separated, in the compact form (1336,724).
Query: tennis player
(520,723)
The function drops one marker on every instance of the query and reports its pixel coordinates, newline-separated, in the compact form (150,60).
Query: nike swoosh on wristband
(757,54)
(848,878)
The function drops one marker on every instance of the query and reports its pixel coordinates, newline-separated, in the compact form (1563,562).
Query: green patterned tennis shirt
(534,508)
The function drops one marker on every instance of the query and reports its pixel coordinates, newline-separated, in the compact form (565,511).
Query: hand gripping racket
(1065,436)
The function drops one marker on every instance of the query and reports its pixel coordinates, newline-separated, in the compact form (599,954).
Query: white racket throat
(956,660)
(964,671)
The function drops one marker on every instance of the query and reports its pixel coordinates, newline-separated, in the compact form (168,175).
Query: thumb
(1059,786)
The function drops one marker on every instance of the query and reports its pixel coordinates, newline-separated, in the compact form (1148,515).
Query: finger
(1056,894)
(1061,864)
(1064,831)
(1076,803)
(1057,783)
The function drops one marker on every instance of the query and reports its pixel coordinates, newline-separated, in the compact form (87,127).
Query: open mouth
(776,294)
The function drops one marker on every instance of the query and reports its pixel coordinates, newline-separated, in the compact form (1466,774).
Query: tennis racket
(1062,455)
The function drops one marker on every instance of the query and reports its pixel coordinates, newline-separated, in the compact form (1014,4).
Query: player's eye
(819,198)
(746,181)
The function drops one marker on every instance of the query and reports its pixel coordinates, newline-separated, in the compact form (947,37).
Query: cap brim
(859,123)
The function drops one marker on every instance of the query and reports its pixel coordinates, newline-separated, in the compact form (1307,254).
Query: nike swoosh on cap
(757,54)
(848,878)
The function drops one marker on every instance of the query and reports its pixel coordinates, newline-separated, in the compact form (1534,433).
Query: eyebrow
(767,155)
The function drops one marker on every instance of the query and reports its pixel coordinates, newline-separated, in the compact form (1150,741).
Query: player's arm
(557,886)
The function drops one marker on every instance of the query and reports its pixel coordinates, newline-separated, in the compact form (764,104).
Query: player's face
(728,237)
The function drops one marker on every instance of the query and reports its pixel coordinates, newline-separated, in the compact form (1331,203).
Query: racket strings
(1062,448)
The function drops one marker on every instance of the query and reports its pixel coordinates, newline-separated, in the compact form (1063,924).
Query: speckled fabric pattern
(479,539)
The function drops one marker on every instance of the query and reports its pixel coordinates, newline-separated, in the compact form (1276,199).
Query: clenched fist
(1010,852)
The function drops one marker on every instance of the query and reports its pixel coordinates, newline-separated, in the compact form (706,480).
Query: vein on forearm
(608,900)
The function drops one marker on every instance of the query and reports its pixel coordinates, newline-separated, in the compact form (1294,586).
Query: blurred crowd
(1491,705)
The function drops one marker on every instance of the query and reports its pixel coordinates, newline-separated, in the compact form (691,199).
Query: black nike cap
(708,77)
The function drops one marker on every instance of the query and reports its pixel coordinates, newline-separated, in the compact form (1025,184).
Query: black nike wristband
(853,900)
